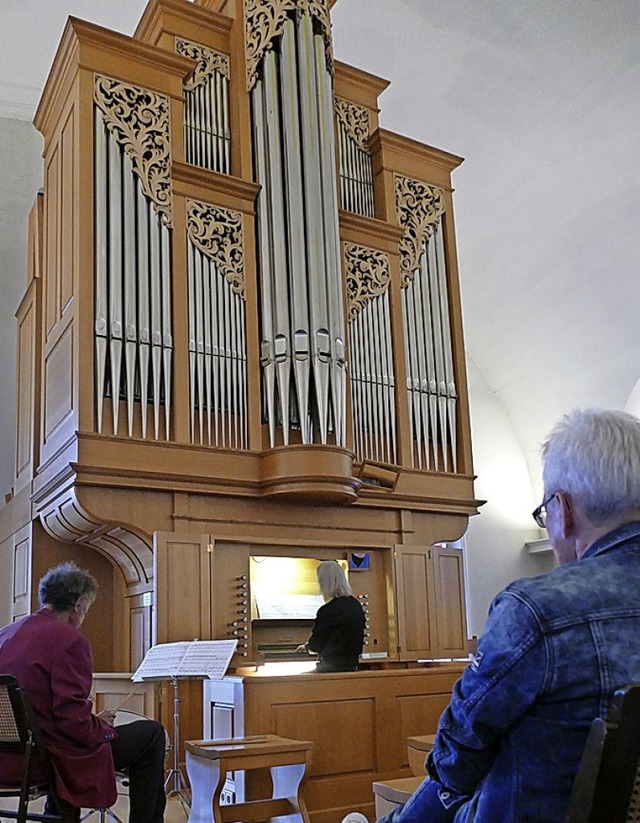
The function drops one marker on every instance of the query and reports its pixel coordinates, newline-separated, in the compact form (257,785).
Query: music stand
(170,661)
(175,779)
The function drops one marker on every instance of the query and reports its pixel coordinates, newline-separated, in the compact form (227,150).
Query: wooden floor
(174,813)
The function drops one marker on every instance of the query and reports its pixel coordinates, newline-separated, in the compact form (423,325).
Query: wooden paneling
(67,191)
(29,355)
(182,580)
(58,383)
(415,713)
(348,719)
(358,723)
(25,388)
(113,690)
(21,573)
(140,634)
(450,602)
(52,243)
(415,610)
(430,595)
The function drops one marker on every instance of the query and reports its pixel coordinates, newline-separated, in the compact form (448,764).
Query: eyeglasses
(540,514)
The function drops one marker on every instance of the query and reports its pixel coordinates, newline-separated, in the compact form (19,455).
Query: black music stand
(172,661)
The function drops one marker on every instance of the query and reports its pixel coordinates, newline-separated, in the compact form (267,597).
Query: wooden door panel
(450,600)
(415,606)
(182,581)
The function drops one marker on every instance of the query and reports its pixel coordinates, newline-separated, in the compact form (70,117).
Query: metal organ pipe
(302,349)
(133,331)
(318,308)
(206,109)
(114,274)
(430,376)
(281,342)
(296,238)
(333,269)
(267,358)
(101,263)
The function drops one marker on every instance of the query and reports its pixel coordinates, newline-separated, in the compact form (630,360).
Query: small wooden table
(390,794)
(208,762)
(419,747)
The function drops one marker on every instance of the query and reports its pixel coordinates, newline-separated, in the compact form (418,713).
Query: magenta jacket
(52,661)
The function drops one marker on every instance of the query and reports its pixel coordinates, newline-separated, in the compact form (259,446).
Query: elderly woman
(338,631)
(52,660)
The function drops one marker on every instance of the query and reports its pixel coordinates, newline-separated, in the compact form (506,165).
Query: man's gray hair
(332,579)
(594,456)
(62,586)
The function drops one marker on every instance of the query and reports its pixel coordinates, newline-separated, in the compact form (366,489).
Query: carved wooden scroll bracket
(217,232)
(367,275)
(139,121)
(208,60)
(66,519)
(264,22)
(419,208)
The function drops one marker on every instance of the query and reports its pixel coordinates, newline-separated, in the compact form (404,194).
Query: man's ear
(566,520)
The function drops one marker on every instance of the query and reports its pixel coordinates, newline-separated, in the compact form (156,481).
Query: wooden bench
(209,761)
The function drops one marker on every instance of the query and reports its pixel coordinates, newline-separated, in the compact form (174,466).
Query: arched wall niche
(121,558)
(105,621)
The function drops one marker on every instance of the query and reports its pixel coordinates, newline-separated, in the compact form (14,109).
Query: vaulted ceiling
(541,98)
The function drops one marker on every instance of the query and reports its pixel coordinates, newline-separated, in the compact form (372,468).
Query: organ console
(241,338)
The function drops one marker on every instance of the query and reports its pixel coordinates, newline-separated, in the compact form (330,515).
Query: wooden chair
(607,785)
(19,733)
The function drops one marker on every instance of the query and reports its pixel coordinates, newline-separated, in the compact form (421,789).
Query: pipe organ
(241,337)
(241,343)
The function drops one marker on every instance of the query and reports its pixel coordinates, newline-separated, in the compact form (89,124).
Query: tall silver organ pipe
(302,325)
(217,327)
(372,375)
(431,387)
(356,171)
(133,325)
(207,137)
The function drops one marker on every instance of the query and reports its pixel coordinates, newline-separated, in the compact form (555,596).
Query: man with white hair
(555,647)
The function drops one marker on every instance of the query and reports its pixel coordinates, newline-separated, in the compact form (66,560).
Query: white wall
(495,538)
(20,179)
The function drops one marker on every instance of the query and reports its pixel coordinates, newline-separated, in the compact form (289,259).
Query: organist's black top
(338,634)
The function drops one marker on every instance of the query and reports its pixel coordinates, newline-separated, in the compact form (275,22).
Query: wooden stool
(390,794)
(208,762)
(419,748)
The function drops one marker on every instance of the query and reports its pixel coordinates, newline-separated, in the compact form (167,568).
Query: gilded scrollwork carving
(418,207)
(208,62)
(367,275)
(139,121)
(355,121)
(217,232)
(264,21)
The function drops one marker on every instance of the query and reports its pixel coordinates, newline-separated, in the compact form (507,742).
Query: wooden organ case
(241,337)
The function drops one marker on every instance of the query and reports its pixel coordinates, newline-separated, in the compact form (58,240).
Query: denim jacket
(554,650)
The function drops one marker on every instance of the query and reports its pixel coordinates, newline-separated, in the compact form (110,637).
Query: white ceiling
(542,98)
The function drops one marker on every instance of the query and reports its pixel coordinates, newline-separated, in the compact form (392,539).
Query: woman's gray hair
(594,456)
(62,587)
(332,579)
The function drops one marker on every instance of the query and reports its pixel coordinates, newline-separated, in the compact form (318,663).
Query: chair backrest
(19,731)
(607,785)
(14,724)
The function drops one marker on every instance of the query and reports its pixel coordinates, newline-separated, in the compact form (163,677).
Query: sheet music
(195,658)
(291,606)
